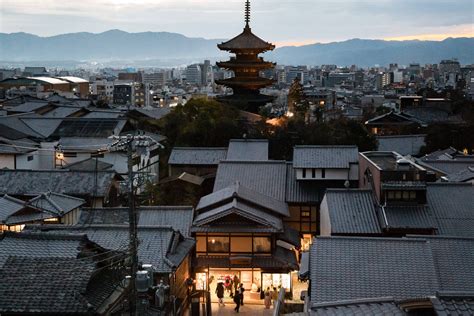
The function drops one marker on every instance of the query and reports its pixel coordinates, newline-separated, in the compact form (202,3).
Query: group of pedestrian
(238,295)
(269,296)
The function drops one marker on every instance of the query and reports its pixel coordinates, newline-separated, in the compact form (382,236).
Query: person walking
(274,296)
(241,293)
(220,293)
(267,298)
(237,301)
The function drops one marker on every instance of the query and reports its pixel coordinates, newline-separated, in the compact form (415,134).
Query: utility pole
(131,144)
(132,219)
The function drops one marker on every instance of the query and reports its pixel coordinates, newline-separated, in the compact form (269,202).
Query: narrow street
(250,309)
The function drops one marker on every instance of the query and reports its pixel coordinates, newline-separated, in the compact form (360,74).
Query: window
(406,195)
(305,212)
(241,244)
(323,173)
(313,173)
(30,158)
(262,244)
(398,195)
(304,173)
(218,244)
(391,195)
(70,154)
(412,195)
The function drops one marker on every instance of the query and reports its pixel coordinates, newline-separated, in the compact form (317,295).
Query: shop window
(262,244)
(276,280)
(218,244)
(241,244)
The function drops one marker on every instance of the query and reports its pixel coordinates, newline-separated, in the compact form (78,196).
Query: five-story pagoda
(246,66)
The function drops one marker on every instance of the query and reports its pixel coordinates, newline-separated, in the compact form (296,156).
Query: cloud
(282,21)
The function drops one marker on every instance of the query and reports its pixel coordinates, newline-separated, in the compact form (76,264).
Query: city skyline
(387,19)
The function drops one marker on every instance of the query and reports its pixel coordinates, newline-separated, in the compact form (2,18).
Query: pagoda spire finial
(247,13)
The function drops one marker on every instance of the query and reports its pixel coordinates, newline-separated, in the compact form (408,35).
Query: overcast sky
(278,21)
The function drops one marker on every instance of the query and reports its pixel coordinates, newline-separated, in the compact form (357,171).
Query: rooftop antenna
(247,13)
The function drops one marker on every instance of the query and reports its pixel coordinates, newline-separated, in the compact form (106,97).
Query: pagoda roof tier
(246,82)
(234,64)
(246,41)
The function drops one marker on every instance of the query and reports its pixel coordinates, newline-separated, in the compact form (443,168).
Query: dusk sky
(280,21)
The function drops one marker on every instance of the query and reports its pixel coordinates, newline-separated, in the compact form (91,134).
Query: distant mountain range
(162,48)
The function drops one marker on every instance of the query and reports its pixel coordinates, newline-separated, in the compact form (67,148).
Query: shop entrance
(251,280)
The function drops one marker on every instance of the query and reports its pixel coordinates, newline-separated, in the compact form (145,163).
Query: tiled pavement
(247,309)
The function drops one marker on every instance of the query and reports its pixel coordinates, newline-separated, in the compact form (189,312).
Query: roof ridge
(384,299)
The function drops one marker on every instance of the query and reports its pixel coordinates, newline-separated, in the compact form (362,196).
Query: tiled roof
(453,208)
(407,217)
(241,192)
(453,303)
(241,209)
(75,183)
(36,245)
(53,285)
(55,203)
(248,150)
(196,156)
(449,166)
(462,176)
(268,178)
(8,206)
(454,262)
(246,40)
(352,212)
(400,185)
(153,246)
(178,217)
(155,113)
(402,144)
(302,191)
(347,268)
(89,164)
(367,307)
(325,156)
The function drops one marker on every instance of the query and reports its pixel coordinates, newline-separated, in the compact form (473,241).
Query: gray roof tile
(242,209)
(402,144)
(268,178)
(75,183)
(153,246)
(196,156)
(352,212)
(453,208)
(346,268)
(248,150)
(366,307)
(39,245)
(179,218)
(325,156)
(302,191)
(453,303)
(55,203)
(408,217)
(53,285)
(8,206)
(241,192)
